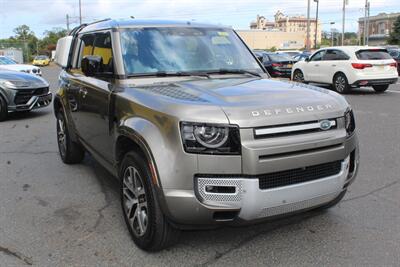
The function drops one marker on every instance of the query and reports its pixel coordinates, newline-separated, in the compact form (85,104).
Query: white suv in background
(347,67)
(7,63)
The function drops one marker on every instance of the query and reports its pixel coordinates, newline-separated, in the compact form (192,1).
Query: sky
(42,15)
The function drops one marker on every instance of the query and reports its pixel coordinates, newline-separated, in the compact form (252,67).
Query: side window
(102,48)
(335,55)
(85,46)
(318,56)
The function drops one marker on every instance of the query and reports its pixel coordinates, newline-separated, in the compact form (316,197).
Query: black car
(301,56)
(278,65)
(395,53)
(20,91)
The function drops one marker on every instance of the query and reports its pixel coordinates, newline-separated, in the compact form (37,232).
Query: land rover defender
(194,128)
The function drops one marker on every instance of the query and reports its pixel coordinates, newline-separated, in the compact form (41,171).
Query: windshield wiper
(234,71)
(168,74)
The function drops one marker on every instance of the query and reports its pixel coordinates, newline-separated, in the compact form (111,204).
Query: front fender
(161,140)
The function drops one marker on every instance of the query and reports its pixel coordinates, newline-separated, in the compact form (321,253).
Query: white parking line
(398,92)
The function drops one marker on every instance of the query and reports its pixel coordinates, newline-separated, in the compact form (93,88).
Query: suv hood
(260,102)
(18,67)
(22,80)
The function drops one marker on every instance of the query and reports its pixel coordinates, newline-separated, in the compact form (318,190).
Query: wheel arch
(337,73)
(4,96)
(130,139)
(298,68)
(57,105)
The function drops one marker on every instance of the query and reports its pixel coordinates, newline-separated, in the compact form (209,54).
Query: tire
(298,76)
(380,88)
(340,84)
(70,152)
(334,202)
(3,109)
(147,225)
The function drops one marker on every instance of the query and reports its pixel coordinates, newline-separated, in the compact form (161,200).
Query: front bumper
(35,102)
(248,203)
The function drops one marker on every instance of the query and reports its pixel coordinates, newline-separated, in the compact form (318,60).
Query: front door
(313,67)
(92,94)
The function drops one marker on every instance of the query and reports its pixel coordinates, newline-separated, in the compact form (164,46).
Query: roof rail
(80,27)
(97,21)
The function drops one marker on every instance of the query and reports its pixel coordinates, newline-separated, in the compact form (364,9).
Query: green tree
(23,32)
(51,37)
(394,37)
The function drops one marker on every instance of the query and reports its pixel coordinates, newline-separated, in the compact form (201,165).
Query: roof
(132,23)
(352,49)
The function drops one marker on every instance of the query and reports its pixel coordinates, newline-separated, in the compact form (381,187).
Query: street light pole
(308,27)
(80,12)
(367,32)
(332,23)
(365,23)
(316,25)
(343,20)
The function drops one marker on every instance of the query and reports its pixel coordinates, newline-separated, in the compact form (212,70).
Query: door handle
(83,92)
(334,65)
(316,65)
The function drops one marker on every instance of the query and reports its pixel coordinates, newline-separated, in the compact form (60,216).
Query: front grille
(300,175)
(23,96)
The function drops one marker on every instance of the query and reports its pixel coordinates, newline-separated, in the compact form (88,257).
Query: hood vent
(173,91)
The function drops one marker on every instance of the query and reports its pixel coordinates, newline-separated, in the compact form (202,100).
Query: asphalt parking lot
(52,214)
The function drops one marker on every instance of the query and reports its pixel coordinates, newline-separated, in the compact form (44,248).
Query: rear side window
(373,54)
(335,55)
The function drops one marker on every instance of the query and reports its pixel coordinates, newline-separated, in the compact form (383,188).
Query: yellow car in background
(41,61)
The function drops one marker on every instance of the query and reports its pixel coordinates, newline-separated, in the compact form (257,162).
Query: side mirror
(307,59)
(92,65)
(62,51)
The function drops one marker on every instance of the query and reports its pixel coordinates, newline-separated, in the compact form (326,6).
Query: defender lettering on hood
(291,110)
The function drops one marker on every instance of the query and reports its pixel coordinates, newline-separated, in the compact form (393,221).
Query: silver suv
(198,134)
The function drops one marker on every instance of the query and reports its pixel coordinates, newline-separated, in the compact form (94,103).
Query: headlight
(7,84)
(210,138)
(349,121)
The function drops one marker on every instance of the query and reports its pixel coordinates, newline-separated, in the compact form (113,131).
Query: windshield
(280,57)
(6,61)
(41,57)
(181,49)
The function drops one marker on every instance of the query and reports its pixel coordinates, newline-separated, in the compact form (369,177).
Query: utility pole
(316,25)
(308,27)
(67,22)
(367,32)
(80,12)
(332,23)
(365,23)
(343,20)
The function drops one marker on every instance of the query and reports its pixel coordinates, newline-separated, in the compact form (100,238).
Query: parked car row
(343,68)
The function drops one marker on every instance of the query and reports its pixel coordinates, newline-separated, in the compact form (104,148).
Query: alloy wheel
(135,201)
(298,77)
(61,135)
(340,83)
